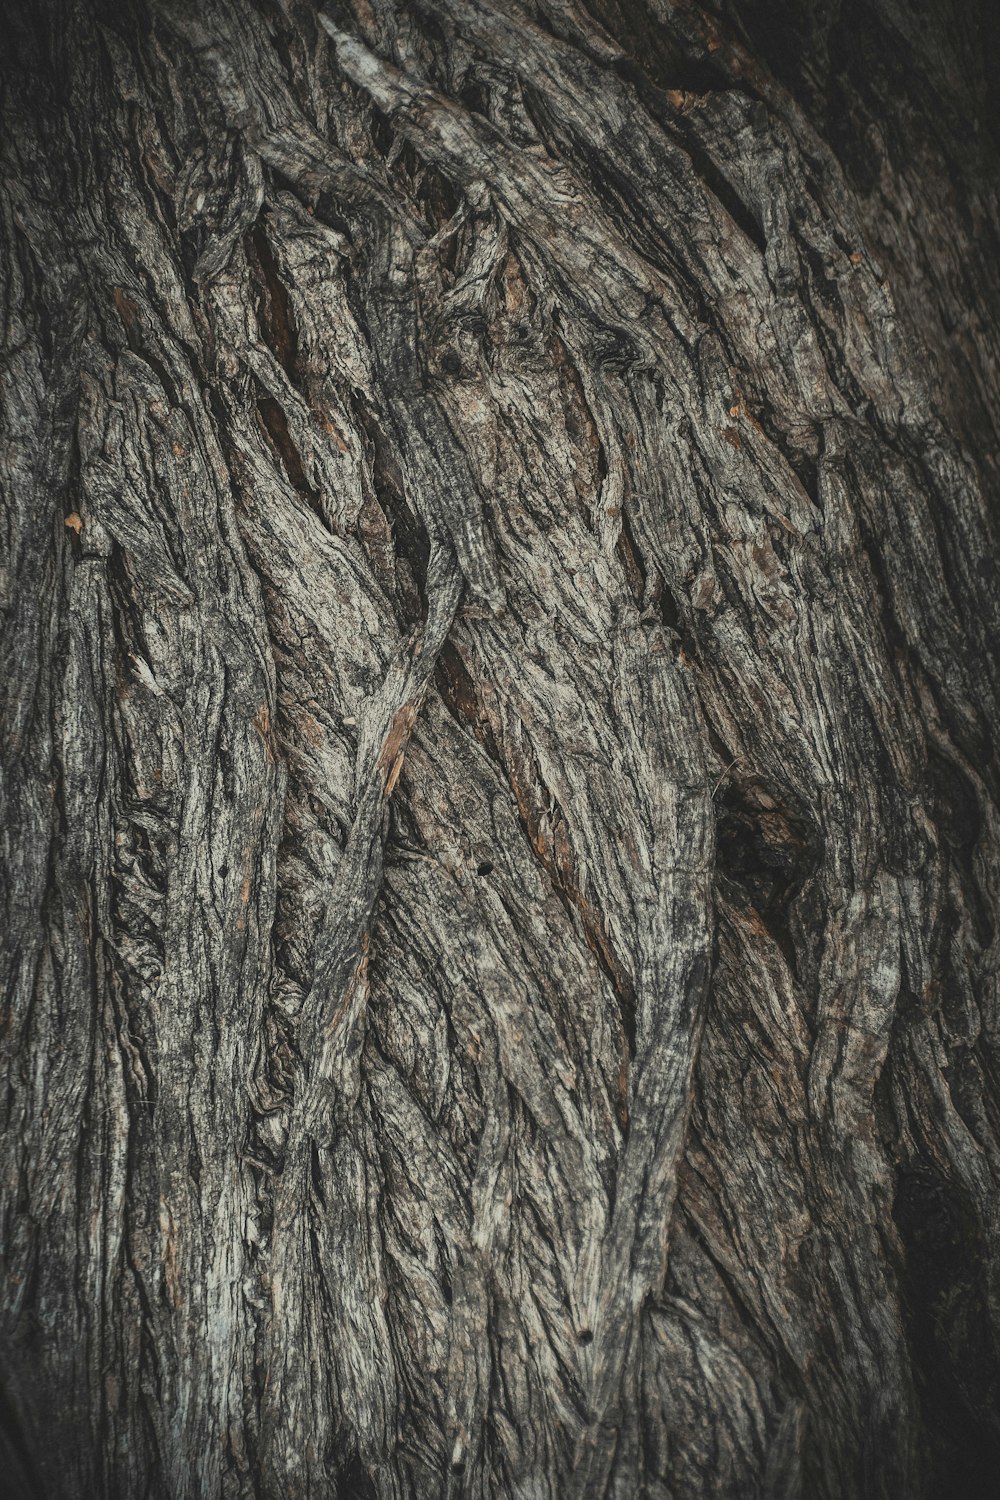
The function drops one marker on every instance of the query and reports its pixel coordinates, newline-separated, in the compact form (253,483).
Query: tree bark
(501,812)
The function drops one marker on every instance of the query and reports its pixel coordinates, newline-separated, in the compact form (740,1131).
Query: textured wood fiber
(501,846)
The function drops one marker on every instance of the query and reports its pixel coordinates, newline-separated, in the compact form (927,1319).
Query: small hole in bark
(192,242)
(764,844)
(383,135)
(458,1467)
(485,867)
(668,607)
(585,1336)
(602,462)
(767,849)
(475,98)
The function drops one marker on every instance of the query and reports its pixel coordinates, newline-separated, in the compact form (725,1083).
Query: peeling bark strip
(501,815)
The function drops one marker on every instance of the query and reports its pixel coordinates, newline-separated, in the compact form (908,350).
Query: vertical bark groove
(501,847)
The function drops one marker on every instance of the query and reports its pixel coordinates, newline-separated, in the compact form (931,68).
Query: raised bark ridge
(501,845)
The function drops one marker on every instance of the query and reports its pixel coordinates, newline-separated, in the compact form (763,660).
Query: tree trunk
(502,849)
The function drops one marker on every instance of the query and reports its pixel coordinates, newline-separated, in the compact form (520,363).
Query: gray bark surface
(500,809)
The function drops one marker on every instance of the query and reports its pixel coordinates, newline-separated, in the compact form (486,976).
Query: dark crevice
(804,465)
(439,198)
(964,1077)
(475,97)
(954,1354)
(650,590)
(636,219)
(613,350)
(273,307)
(954,805)
(766,849)
(891,628)
(664,602)
(382,134)
(410,540)
(630,209)
(190,240)
(327,211)
(543,119)
(316,1175)
(458,693)
(595,932)
(23,1472)
(688,75)
(951,549)
(711,177)
(631,560)
(275,424)
(277,329)
(281,39)
(132,322)
(824,294)
(426,187)
(686,1221)
(971,736)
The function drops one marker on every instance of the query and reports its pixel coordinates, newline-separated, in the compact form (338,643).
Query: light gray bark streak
(500,822)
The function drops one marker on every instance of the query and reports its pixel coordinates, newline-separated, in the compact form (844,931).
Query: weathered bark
(501,815)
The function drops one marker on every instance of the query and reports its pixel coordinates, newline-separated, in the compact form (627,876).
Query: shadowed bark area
(500,674)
